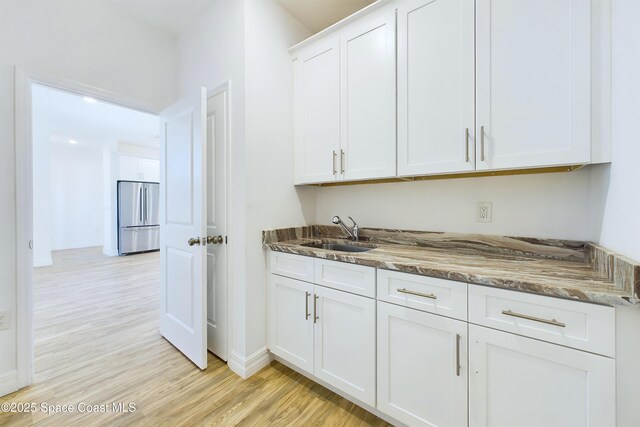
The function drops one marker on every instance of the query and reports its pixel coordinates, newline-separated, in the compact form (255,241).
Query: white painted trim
(226,88)
(82,89)
(24,229)
(24,197)
(340,24)
(9,382)
(247,366)
(42,262)
(109,252)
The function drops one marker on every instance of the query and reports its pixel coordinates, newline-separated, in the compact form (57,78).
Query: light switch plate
(483,212)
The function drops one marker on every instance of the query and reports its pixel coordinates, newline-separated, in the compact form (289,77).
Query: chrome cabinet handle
(315,309)
(306,308)
(420,294)
(193,241)
(482,143)
(341,161)
(458,355)
(466,142)
(553,322)
(335,171)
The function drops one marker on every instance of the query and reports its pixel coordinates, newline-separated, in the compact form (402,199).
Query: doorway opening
(87,296)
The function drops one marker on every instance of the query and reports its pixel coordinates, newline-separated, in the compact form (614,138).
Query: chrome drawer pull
(458,355)
(553,322)
(420,294)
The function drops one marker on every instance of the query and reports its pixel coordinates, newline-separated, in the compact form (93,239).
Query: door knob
(193,241)
(215,240)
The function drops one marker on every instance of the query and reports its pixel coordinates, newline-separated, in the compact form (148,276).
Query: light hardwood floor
(97,341)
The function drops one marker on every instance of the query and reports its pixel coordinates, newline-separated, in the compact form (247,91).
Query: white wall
(211,53)
(272,200)
(81,41)
(553,205)
(246,42)
(109,199)
(76,196)
(41,191)
(616,200)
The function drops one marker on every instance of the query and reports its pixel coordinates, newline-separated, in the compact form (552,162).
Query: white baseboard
(8,382)
(42,262)
(247,366)
(109,252)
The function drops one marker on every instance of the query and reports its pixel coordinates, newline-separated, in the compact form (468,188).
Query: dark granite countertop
(561,268)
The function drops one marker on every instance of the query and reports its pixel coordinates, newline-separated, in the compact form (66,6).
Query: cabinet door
(128,168)
(317,121)
(291,321)
(368,97)
(149,170)
(345,346)
(422,367)
(435,86)
(518,381)
(533,83)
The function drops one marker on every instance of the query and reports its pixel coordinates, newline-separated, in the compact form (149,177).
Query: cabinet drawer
(439,296)
(580,325)
(294,266)
(357,279)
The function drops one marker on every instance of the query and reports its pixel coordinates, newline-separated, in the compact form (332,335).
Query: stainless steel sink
(342,247)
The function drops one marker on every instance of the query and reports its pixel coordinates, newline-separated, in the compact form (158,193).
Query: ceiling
(172,16)
(66,116)
(317,15)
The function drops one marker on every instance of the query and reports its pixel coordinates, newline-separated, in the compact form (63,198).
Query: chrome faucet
(353,233)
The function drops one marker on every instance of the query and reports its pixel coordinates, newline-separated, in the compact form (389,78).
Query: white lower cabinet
(345,343)
(291,321)
(328,333)
(519,381)
(400,355)
(422,367)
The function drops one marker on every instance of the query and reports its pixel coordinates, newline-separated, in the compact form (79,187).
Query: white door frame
(24,197)
(226,88)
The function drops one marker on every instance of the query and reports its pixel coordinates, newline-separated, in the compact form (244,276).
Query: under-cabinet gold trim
(554,169)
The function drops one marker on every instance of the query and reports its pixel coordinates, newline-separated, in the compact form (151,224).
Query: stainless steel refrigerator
(138,222)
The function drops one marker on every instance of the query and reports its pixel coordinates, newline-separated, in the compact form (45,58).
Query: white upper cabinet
(149,170)
(533,83)
(424,87)
(368,97)
(132,168)
(317,87)
(435,87)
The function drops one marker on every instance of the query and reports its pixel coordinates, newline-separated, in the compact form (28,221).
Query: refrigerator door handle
(146,205)
(150,227)
(140,205)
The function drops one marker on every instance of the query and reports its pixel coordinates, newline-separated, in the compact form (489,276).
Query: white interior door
(217,224)
(182,217)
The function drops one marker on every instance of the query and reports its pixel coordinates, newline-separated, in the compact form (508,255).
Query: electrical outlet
(483,212)
(5,318)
